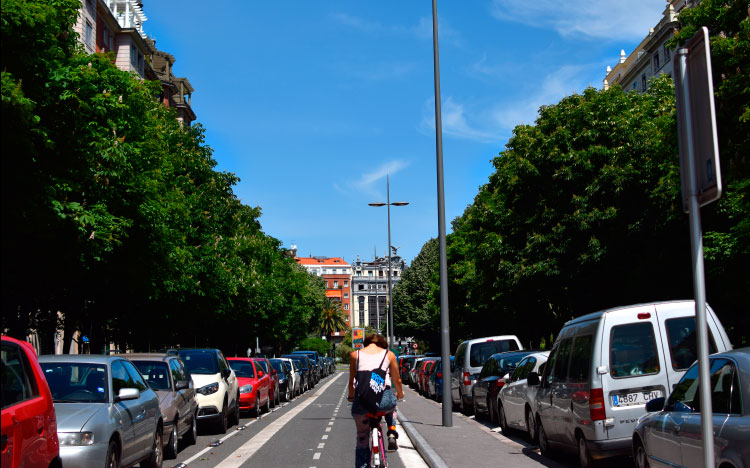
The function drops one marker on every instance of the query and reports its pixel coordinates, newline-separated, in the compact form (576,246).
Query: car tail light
(466,379)
(644,315)
(596,405)
(499,383)
(440,375)
(490,340)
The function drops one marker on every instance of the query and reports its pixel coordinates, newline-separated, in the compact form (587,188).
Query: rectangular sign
(696,121)
(358,338)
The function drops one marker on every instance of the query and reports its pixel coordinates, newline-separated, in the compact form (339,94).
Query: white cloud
(421,30)
(605,19)
(455,122)
(366,182)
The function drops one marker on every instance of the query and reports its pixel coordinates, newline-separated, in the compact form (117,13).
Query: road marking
(325,436)
(406,451)
(328,429)
(249,448)
(316,456)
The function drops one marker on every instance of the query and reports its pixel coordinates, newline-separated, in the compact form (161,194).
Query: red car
(424,376)
(29,426)
(273,376)
(255,385)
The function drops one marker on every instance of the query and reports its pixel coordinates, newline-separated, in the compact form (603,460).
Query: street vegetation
(116,221)
(583,211)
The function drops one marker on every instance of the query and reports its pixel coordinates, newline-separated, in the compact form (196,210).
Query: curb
(428,453)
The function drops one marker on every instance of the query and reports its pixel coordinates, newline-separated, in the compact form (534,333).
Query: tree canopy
(116,221)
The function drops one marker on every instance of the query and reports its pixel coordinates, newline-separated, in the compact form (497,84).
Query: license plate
(635,398)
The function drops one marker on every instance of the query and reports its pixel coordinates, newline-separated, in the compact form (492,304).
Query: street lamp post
(390,270)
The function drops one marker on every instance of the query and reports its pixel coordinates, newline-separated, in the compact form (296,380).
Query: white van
(470,357)
(605,366)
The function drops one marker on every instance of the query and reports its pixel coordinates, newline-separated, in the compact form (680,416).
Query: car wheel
(277,397)
(544,447)
(640,457)
(222,423)
(157,455)
(236,410)
(113,455)
(170,451)
(584,456)
(530,426)
(287,393)
(266,407)
(501,419)
(492,411)
(192,435)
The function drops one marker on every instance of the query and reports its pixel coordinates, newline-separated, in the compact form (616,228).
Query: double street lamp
(390,271)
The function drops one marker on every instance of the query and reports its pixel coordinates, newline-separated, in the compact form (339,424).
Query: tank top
(368,362)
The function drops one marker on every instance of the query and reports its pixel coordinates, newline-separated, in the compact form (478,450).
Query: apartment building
(370,290)
(117,26)
(337,274)
(652,56)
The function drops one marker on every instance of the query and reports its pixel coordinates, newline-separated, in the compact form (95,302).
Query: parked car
(274,376)
(107,415)
(414,372)
(255,384)
(670,433)
(314,360)
(29,424)
(285,378)
(513,407)
(425,376)
(405,365)
(216,386)
(436,380)
(491,379)
(166,375)
(470,357)
(295,374)
(305,369)
(605,366)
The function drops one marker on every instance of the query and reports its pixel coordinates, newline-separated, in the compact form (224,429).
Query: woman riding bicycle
(375,353)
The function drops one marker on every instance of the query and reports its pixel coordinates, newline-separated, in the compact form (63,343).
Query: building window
(369,273)
(133,56)
(346,284)
(667,53)
(89,33)
(380,273)
(335,284)
(346,306)
(656,61)
(643,82)
(635,85)
(346,295)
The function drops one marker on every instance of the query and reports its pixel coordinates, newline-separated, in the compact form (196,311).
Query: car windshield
(481,352)
(73,382)
(278,365)
(243,369)
(264,365)
(199,361)
(156,373)
(508,363)
(300,362)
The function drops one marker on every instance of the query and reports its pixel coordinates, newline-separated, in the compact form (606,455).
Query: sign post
(701,184)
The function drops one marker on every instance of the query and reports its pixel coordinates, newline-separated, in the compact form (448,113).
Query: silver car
(670,434)
(517,399)
(106,413)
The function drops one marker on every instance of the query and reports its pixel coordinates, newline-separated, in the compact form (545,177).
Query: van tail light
(644,316)
(466,379)
(499,383)
(596,405)
(440,375)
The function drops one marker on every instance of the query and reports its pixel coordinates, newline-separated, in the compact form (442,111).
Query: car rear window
(156,373)
(682,342)
(72,382)
(633,350)
(481,352)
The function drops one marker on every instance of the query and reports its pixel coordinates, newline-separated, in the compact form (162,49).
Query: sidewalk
(467,443)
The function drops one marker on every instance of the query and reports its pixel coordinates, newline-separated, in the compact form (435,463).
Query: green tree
(313,343)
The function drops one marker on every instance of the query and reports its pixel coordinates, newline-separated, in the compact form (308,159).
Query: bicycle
(377,445)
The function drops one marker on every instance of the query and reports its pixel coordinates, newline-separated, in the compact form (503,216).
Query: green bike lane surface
(314,430)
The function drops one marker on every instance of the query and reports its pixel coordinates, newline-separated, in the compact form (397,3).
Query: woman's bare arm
(395,375)
(352,374)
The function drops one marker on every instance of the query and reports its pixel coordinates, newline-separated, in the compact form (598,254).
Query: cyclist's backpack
(370,387)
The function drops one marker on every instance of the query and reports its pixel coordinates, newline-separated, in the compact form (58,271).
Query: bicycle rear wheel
(377,449)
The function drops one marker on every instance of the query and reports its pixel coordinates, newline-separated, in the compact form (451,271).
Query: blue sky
(311,104)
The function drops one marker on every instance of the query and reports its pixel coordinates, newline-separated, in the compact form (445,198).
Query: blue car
(435,383)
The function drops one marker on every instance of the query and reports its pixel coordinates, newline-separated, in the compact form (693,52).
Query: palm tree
(332,319)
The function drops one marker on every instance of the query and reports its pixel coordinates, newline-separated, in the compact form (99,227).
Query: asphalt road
(314,430)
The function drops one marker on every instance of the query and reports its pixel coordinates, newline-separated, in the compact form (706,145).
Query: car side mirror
(260,374)
(275,372)
(657,404)
(128,394)
(181,385)
(533,379)
(226,373)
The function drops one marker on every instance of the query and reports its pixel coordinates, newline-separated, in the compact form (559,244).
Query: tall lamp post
(390,271)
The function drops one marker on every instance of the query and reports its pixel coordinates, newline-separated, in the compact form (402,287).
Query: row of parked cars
(122,409)
(617,382)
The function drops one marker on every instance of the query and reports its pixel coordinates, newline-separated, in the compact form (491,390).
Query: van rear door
(635,366)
